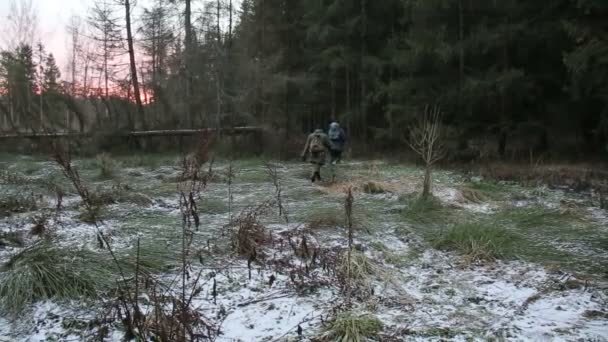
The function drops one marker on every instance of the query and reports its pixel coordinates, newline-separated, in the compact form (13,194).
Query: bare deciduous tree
(106,32)
(426,140)
(20,24)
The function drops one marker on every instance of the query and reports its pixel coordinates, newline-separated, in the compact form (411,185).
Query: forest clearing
(296,170)
(270,257)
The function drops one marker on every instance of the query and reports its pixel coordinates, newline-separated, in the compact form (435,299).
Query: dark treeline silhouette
(512,78)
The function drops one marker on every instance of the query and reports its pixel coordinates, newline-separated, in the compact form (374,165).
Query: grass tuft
(13,239)
(537,217)
(153,258)
(357,273)
(360,267)
(325,218)
(421,210)
(90,216)
(11,204)
(474,196)
(39,227)
(44,272)
(490,190)
(107,166)
(477,241)
(119,194)
(373,188)
(212,206)
(351,327)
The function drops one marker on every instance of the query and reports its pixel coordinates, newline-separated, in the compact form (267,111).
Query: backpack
(334,134)
(316,143)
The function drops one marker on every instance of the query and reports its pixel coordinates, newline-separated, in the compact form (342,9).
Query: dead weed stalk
(272,170)
(192,182)
(348,210)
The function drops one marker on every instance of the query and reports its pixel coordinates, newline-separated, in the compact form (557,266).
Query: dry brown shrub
(249,234)
(366,185)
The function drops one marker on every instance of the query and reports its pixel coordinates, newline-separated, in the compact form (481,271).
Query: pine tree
(51,76)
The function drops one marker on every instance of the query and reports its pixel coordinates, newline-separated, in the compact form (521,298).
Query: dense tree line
(516,73)
(514,77)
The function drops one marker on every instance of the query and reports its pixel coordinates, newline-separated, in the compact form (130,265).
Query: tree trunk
(219,64)
(363,102)
(333,98)
(461,50)
(502,143)
(217,25)
(40,85)
(106,56)
(426,187)
(230,24)
(289,74)
(348,108)
(135,81)
(189,50)
(85,83)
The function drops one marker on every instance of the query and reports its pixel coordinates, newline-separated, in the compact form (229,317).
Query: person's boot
(318,176)
(314,177)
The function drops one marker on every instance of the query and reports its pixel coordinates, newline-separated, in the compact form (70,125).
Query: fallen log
(150,133)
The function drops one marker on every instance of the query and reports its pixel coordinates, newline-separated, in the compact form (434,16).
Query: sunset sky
(54,17)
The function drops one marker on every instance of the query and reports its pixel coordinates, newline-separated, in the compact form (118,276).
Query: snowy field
(550,285)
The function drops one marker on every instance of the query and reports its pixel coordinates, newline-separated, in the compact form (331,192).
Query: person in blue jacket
(337,139)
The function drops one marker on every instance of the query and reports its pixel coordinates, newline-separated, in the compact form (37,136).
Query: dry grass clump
(39,226)
(351,327)
(360,184)
(119,194)
(249,233)
(372,187)
(355,272)
(90,215)
(324,219)
(249,236)
(172,320)
(12,204)
(578,177)
(472,195)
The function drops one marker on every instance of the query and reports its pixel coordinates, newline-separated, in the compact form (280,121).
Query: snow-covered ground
(428,295)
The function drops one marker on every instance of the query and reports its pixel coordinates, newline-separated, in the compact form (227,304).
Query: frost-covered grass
(44,271)
(17,203)
(426,211)
(352,327)
(489,190)
(537,231)
(403,256)
(47,271)
(477,241)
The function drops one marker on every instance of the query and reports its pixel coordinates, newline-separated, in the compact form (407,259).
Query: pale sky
(53,18)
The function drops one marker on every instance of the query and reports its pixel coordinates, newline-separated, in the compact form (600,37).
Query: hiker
(316,145)
(337,140)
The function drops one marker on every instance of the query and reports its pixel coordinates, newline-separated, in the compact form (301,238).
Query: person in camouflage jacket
(315,150)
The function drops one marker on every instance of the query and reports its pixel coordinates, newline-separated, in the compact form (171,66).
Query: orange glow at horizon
(146,95)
